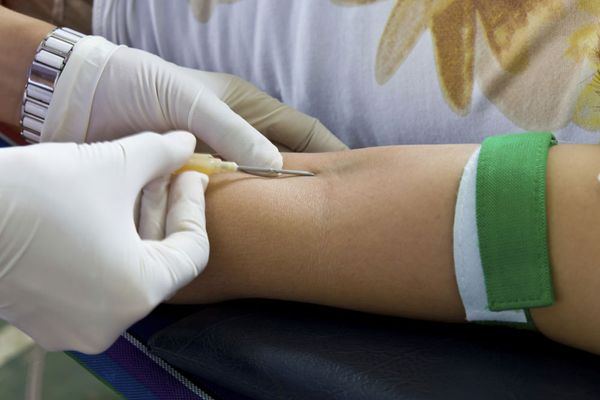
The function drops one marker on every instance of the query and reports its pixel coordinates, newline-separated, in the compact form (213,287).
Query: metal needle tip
(273,171)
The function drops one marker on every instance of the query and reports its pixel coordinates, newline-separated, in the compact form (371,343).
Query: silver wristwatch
(48,63)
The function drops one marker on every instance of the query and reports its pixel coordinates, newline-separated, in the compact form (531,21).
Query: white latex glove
(74,273)
(108,91)
(287,128)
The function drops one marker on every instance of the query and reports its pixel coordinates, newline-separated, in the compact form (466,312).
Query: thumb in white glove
(74,272)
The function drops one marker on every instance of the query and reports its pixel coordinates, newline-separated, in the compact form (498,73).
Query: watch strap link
(50,58)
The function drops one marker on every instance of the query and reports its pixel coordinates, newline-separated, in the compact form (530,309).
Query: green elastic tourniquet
(511,220)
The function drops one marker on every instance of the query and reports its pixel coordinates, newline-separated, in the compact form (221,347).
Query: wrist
(68,115)
(24,36)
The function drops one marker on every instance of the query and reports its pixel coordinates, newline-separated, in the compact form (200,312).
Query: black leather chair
(278,350)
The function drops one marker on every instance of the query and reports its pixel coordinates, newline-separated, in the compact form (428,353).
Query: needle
(209,165)
(272,171)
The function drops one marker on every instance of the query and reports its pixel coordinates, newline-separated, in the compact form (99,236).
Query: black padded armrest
(280,350)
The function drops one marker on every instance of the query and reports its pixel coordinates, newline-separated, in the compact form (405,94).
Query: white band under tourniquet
(467,260)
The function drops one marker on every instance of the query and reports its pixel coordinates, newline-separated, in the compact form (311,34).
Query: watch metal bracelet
(50,58)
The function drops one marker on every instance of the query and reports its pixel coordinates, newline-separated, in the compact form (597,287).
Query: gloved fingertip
(190,180)
(182,137)
(152,155)
(204,180)
(181,145)
(259,152)
(276,160)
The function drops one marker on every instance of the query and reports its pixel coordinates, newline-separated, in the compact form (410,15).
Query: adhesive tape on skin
(467,260)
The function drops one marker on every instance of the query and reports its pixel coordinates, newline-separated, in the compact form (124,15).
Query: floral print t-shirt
(380,72)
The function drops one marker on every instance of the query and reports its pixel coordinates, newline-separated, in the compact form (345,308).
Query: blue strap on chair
(129,368)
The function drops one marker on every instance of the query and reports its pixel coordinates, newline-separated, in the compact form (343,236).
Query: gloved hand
(74,273)
(287,128)
(108,91)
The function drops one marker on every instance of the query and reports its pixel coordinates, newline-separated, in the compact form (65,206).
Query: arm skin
(373,232)
(22,35)
(74,14)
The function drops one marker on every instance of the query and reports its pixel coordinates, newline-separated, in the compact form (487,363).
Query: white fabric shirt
(321,57)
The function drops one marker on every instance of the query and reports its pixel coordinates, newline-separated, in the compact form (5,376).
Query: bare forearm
(573,204)
(372,231)
(21,36)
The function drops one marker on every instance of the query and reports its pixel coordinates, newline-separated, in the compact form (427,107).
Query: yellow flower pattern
(203,9)
(535,60)
(584,47)
(530,57)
